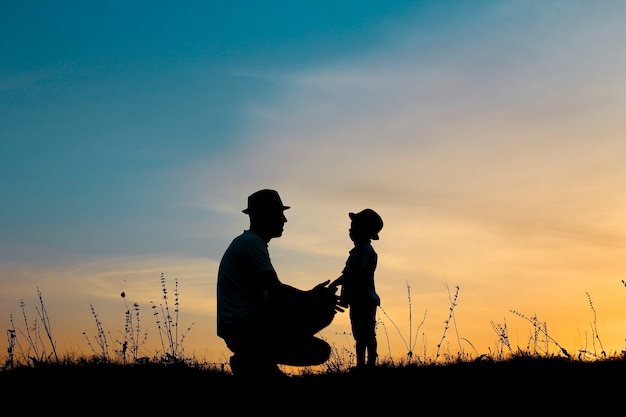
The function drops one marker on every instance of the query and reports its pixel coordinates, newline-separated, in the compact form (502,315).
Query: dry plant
(171,341)
(447,321)
(34,344)
(461,354)
(35,350)
(100,339)
(340,359)
(540,337)
(132,333)
(29,347)
(595,336)
(503,340)
(130,337)
(410,345)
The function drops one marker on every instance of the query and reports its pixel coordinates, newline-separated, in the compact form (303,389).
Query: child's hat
(370,219)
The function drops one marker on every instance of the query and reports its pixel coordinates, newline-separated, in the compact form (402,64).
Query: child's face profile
(357,231)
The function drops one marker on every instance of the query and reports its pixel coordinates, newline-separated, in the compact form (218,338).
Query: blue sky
(105,104)
(488,134)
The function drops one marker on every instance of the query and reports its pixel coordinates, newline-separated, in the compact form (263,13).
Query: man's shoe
(248,368)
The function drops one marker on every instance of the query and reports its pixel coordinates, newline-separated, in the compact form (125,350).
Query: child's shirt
(358,275)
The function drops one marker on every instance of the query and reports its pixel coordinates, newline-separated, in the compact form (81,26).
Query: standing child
(358,291)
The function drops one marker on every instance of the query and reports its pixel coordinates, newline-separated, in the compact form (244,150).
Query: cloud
(494,166)
(490,162)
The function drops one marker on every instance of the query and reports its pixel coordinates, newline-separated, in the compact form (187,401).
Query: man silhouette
(263,321)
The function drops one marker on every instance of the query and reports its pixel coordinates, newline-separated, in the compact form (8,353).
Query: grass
(119,371)
(524,384)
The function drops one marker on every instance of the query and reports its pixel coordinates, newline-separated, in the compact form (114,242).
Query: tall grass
(33,344)
(171,340)
(27,345)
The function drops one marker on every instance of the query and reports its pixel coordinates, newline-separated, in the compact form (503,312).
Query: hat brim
(248,211)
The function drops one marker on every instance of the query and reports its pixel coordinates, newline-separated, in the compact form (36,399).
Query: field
(115,379)
(521,385)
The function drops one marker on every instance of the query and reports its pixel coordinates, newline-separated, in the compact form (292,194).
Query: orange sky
(489,137)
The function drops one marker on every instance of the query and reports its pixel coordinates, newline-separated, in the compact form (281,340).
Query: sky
(489,135)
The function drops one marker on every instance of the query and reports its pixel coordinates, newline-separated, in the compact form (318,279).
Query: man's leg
(301,351)
(304,319)
(252,346)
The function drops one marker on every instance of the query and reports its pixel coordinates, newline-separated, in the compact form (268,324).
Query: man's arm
(276,289)
(280,294)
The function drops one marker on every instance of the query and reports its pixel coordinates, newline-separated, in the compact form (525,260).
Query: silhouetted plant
(168,326)
(9,362)
(132,333)
(410,346)
(447,321)
(45,320)
(102,353)
(540,328)
(503,339)
(34,345)
(340,359)
(35,352)
(594,333)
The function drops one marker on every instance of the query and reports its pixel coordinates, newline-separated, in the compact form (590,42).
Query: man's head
(367,222)
(266,211)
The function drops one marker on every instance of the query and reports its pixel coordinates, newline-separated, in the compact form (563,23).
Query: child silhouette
(358,291)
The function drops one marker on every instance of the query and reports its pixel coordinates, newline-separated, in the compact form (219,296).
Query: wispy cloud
(492,146)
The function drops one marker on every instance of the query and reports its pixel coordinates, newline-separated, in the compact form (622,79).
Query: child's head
(365,224)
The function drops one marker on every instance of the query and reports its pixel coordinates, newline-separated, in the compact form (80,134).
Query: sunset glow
(489,136)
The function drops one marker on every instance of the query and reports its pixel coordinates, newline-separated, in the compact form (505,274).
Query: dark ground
(528,386)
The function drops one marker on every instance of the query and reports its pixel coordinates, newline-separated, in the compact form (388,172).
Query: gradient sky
(489,135)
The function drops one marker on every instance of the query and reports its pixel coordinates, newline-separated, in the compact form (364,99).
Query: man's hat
(264,200)
(372,221)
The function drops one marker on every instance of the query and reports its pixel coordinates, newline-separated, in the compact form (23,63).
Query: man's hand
(327,295)
(335,283)
(321,285)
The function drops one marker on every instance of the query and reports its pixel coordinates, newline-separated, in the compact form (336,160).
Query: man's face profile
(271,221)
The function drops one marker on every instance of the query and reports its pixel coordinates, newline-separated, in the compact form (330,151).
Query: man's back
(238,295)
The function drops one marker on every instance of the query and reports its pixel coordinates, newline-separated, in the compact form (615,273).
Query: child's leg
(360,348)
(372,354)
